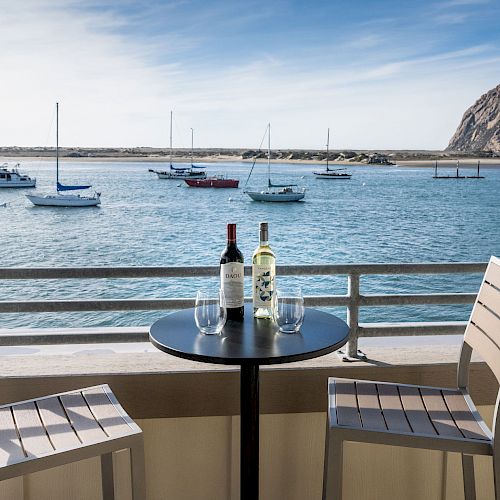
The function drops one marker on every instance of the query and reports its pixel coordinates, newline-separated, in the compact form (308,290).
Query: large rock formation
(479,129)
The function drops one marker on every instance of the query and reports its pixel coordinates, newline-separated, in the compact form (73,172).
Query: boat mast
(170,138)
(192,142)
(269,154)
(327,147)
(57,146)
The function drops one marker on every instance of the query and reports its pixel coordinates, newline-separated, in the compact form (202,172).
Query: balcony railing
(353,300)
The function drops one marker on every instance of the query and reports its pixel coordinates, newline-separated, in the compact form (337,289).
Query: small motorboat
(217,181)
(12,178)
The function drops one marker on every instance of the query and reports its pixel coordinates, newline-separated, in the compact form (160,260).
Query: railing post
(352,353)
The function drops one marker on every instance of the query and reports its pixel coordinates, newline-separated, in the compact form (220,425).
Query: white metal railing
(353,300)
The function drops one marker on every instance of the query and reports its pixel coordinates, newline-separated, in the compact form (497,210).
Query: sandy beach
(464,163)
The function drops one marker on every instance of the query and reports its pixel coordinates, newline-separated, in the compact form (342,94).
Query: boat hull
(212,183)
(64,200)
(330,175)
(171,175)
(274,196)
(18,184)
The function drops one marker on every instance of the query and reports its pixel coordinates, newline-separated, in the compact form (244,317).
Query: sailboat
(64,200)
(332,173)
(275,192)
(192,172)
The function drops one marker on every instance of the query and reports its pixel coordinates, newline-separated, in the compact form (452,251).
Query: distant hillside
(479,129)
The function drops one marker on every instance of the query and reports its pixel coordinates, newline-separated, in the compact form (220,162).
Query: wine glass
(210,311)
(289,311)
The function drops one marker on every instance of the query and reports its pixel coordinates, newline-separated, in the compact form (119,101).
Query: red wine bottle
(232,275)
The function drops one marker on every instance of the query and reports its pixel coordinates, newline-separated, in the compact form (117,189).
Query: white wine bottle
(263,276)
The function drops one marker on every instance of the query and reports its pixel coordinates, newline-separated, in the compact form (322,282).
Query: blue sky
(380,74)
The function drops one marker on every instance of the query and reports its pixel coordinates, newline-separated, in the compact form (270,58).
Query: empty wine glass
(289,311)
(210,311)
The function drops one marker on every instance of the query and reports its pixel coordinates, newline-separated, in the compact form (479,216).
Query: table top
(252,341)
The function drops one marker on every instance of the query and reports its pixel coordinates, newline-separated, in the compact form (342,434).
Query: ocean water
(383,214)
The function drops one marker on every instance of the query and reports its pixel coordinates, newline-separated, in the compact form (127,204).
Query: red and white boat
(218,181)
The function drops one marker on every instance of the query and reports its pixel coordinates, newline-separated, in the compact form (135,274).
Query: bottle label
(263,285)
(232,284)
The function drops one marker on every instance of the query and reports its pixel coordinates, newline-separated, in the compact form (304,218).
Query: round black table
(250,343)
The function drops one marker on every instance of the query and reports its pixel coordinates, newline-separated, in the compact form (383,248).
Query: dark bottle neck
(231,234)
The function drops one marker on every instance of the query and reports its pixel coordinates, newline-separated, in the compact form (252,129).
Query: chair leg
(469,480)
(496,476)
(332,475)
(108,487)
(138,471)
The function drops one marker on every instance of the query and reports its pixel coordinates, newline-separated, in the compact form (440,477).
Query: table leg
(249,432)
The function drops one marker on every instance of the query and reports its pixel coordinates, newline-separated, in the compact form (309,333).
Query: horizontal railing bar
(55,336)
(136,304)
(213,271)
(78,337)
(409,329)
(417,299)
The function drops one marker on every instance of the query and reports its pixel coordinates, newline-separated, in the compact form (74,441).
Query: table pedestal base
(249,432)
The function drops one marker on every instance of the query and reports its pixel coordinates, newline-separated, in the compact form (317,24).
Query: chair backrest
(483,330)
(483,334)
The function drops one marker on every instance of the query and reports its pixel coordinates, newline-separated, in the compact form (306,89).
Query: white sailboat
(64,200)
(332,173)
(192,172)
(276,192)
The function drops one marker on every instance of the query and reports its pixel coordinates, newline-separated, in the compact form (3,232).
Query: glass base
(289,328)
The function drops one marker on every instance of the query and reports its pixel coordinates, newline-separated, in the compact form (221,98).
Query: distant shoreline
(444,163)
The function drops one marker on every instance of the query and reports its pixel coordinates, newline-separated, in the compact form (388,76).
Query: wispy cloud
(117,73)
(460,3)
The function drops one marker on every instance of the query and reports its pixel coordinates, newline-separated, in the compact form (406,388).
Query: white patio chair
(42,433)
(422,417)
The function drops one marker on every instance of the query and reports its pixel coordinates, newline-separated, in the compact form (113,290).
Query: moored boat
(278,193)
(275,192)
(180,173)
(64,200)
(218,181)
(12,178)
(332,173)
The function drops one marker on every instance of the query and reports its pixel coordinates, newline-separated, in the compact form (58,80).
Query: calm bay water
(384,214)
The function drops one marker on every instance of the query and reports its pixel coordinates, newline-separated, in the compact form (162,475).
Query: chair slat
(493,273)
(369,406)
(106,413)
(11,450)
(33,435)
(81,418)
(463,416)
(415,411)
(490,297)
(485,346)
(486,321)
(56,423)
(347,405)
(392,409)
(438,413)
